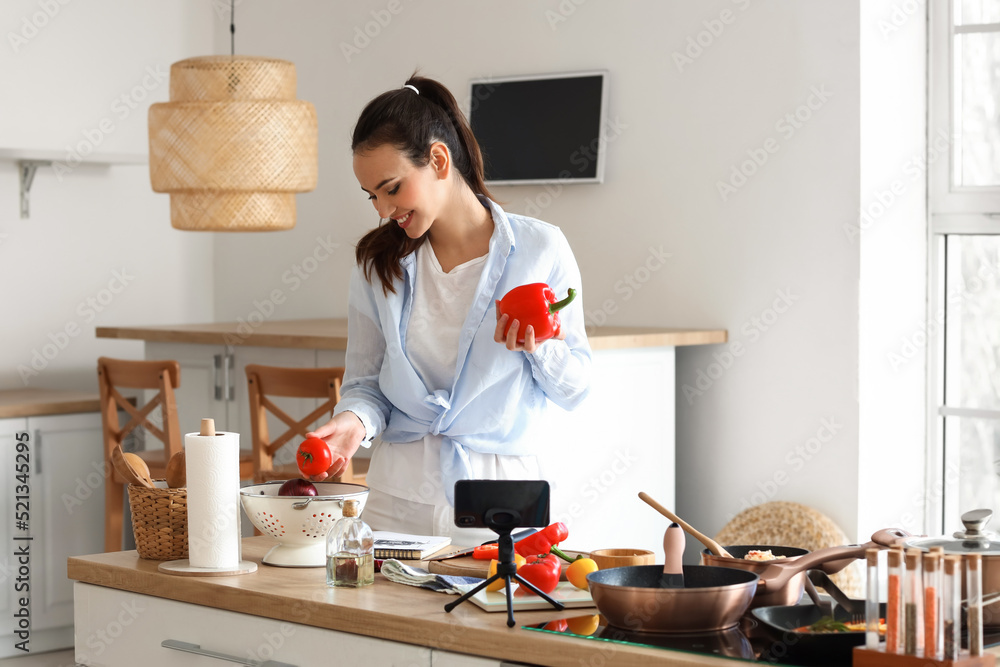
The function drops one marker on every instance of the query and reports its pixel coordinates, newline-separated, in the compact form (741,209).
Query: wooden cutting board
(467,566)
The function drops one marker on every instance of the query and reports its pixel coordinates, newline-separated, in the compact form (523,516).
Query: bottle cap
(912,559)
(350,507)
(872,556)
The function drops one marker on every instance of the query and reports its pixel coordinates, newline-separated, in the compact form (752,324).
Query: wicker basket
(159,522)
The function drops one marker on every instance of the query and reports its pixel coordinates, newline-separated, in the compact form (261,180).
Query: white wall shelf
(29,160)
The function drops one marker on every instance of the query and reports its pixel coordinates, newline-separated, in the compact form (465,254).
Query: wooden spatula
(712,545)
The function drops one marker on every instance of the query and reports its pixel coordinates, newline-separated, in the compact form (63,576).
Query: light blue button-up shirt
(496,393)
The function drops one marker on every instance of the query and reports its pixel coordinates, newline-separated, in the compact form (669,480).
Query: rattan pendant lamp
(233,145)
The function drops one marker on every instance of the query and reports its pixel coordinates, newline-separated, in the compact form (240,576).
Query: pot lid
(974,539)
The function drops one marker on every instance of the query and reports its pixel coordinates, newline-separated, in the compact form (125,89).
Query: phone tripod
(506,570)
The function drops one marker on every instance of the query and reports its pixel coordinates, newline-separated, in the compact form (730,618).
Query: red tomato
(313,456)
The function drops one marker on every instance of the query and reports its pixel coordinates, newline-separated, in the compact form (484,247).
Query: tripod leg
(479,587)
(510,603)
(558,605)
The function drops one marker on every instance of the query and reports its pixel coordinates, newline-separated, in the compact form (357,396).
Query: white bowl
(300,531)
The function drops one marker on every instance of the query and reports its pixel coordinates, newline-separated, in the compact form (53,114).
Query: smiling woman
(444,385)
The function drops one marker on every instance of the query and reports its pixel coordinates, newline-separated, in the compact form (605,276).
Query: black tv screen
(541,129)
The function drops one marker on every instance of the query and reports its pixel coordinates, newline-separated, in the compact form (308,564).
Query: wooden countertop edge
(40,410)
(457,636)
(229,333)
(34,402)
(166,335)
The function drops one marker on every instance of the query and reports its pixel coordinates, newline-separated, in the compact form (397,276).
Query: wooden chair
(115,373)
(266,381)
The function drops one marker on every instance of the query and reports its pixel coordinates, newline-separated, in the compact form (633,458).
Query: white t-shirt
(441,302)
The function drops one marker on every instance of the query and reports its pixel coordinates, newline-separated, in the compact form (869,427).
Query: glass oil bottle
(350,550)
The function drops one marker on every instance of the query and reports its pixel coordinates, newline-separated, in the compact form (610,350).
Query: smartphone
(509,503)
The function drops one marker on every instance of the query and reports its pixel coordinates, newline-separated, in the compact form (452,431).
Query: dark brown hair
(411,122)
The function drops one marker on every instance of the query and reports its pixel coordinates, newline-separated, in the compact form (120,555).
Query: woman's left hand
(510,340)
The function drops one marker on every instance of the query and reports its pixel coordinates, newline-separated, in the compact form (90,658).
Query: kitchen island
(125,608)
(618,442)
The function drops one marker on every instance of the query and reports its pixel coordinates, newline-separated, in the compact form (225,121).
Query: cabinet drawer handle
(230,377)
(218,384)
(38,451)
(198,650)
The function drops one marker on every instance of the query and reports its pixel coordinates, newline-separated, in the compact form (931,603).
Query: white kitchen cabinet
(449,659)
(617,442)
(66,519)
(115,627)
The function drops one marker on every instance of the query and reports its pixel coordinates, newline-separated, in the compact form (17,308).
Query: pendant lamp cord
(232,27)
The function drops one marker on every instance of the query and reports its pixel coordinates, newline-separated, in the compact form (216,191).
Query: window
(964,323)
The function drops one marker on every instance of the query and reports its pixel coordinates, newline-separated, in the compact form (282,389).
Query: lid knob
(975,523)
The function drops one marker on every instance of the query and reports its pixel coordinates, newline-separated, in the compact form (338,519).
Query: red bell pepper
(558,625)
(487,552)
(541,570)
(543,541)
(534,305)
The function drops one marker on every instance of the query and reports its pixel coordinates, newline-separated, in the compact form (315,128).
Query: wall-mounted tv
(541,129)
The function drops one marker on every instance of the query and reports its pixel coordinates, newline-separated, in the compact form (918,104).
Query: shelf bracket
(26,170)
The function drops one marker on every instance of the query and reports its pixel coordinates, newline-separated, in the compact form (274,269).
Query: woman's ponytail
(473,172)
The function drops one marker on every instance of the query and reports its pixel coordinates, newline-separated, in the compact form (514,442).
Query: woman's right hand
(343,434)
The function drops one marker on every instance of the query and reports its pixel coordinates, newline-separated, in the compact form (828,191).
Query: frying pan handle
(778,573)
(830,560)
(890,537)
(887,537)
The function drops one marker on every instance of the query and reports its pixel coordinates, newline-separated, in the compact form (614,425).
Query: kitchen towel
(395,571)
(213,499)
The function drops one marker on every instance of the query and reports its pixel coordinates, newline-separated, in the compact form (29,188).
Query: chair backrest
(266,381)
(113,374)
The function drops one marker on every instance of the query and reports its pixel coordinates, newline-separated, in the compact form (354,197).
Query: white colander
(299,523)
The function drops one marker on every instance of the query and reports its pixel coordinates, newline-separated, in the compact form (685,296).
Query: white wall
(64,67)
(768,261)
(892,235)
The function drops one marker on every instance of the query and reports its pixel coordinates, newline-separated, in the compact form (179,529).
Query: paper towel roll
(213,491)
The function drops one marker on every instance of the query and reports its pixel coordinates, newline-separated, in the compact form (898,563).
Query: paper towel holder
(183,566)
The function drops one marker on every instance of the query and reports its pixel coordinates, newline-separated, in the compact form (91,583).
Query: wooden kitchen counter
(385,611)
(331,334)
(32,402)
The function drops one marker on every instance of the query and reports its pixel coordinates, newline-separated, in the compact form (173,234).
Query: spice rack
(866,657)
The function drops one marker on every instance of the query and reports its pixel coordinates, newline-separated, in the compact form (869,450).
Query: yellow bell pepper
(499,583)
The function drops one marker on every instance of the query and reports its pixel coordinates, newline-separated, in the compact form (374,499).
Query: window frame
(952,211)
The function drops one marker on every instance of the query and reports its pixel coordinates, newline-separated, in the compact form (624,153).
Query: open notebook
(407,547)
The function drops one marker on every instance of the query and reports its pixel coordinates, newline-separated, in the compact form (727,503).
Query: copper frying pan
(713,598)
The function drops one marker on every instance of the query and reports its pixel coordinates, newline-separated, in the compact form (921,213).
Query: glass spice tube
(932,592)
(952,606)
(871,601)
(974,586)
(912,595)
(894,603)
(939,552)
